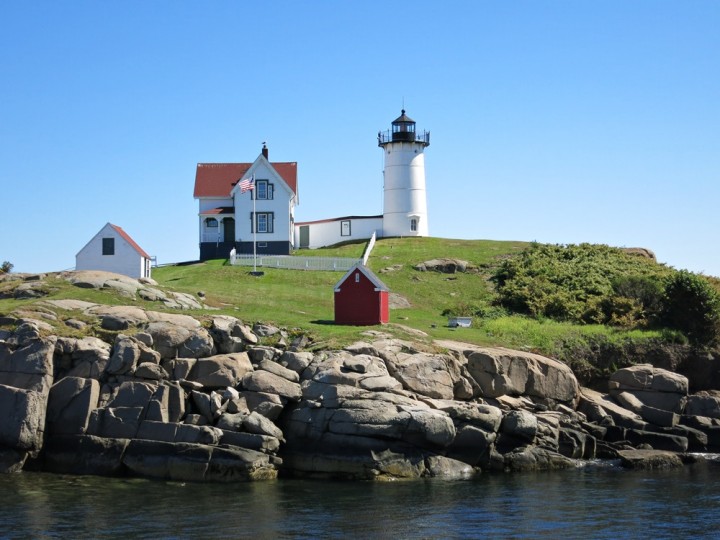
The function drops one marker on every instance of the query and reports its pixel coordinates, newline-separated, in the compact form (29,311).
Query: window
(413,224)
(211,222)
(264,222)
(263,190)
(345,228)
(108,247)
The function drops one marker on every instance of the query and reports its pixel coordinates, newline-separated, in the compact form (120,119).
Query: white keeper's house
(230,218)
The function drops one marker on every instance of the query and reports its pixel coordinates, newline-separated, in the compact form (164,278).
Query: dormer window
(413,224)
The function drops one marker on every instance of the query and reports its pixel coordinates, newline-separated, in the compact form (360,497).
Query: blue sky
(556,121)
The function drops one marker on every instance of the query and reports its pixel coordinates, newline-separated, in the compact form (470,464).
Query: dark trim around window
(264,187)
(345,228)
(108,246)
(269,218)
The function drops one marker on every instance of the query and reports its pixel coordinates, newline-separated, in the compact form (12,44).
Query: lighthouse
(404,196)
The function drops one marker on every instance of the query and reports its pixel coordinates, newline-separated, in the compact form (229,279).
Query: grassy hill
(305,299)
(584,284)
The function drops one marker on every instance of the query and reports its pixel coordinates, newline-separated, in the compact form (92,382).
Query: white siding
(210,203)
(126,260)
(281,206)
(404,192)
(327,233)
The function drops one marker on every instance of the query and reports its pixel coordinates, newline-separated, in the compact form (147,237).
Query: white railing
(211,237)
(368,249)
(333,264)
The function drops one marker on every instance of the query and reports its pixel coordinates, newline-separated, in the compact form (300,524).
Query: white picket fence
(333,264)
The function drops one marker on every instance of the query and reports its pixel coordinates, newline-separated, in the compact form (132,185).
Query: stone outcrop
(355,421)
(132,288)
(26,376)
(500,371)
(654,387)
(640,252)
(169,396)
(445,266)
(649,459)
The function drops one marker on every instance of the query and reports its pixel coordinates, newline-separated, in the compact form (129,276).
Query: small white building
(326,232)
(113,250)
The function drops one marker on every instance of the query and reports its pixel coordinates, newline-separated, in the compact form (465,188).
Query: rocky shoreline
(217,400)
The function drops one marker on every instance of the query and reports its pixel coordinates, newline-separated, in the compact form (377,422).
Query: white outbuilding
(113,250)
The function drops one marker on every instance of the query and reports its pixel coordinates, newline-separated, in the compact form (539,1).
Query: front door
(229,230)
(304,236)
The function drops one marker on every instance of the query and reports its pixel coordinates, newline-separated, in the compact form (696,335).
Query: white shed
(326,232)
(112,250)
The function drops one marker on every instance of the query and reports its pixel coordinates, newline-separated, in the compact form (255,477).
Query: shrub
(461,309)
(692,305)
(581,283)
(645,291)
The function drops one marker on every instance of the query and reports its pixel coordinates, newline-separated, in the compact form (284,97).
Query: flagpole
(249,185)
(252,194)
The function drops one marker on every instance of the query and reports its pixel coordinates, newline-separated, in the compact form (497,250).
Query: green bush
(461,309)
(692,305)
(595,284)
(592,284)
(6,267)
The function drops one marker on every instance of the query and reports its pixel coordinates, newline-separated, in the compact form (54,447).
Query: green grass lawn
(304,299)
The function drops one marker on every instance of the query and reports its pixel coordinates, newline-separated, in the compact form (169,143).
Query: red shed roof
(130,241)
(369,274)
(218,179)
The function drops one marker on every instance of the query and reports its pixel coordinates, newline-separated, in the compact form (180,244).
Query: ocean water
(594,501)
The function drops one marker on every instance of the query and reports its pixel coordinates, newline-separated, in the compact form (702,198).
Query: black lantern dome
(403,130)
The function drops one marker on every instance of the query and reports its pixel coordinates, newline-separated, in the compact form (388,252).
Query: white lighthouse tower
(405,200)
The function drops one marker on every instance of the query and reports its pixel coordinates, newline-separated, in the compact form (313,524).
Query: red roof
(218,179)
(130,241)
(219,210)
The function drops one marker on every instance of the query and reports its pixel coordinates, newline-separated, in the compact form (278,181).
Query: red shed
(361,298)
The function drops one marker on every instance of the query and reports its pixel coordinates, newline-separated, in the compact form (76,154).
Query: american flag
(247,184)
